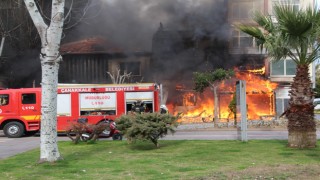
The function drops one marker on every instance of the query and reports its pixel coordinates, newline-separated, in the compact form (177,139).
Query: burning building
(180,47)
(196,107)
(177,54)
(193,36)
(280,72)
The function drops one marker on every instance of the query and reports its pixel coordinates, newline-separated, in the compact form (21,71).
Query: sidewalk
(225,127)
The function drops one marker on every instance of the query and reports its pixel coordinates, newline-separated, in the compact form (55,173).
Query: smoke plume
(131,23)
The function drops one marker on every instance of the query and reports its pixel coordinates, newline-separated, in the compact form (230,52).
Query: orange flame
(258,71)
(200,107)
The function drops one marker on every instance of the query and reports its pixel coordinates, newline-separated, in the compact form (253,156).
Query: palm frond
(293,33)
(264,21)
(254,32)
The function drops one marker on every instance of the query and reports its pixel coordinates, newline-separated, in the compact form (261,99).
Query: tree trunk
(299,139)
(50,59)
(216,105)
(48,137)
(2,45)
(301,123)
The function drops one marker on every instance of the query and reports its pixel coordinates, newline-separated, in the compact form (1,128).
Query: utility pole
(242,109)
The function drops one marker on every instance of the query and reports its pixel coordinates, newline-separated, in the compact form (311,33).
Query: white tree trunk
(50,59)
(48,137)
(2,45)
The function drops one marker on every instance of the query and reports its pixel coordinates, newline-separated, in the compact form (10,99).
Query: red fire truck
(20,109)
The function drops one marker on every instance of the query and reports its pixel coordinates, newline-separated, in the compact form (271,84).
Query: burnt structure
(93,68)
(177,54)
(89,60)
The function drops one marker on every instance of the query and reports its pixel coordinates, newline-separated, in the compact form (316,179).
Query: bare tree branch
(118,78)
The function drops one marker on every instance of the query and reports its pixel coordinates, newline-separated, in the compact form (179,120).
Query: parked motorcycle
(112,131)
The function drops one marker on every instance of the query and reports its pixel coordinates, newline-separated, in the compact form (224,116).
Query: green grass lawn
(173,160)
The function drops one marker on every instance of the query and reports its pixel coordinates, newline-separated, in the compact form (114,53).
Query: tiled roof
(89,46)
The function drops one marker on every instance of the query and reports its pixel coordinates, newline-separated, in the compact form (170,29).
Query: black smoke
(183,36)
(24,70)
(131,24)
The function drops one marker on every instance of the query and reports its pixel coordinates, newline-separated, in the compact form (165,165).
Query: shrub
(146,127)
(91,130)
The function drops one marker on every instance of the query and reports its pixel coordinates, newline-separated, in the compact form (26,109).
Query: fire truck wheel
(13,129)
(117,136)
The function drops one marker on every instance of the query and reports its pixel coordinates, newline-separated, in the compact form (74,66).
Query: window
(130,67)
(64,104)
(282,99)
(148,106)
(281,105)
(4,99)
(242,10)
(241,39)
(295,4)
(146,98)
(29,98)
(290,67)
(283,68)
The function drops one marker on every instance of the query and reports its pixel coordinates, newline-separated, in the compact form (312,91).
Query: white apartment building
(281,72)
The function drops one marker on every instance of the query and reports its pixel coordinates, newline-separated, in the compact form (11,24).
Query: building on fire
(177,53)
(241,44)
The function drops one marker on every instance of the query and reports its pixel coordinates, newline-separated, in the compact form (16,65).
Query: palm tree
(292,34)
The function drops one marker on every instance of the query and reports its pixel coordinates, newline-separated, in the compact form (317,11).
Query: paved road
(12,146)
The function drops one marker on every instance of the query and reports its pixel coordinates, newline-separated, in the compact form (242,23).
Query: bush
(146,127)
(91,130)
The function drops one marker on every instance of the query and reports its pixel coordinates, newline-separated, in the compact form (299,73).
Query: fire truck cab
(20,109)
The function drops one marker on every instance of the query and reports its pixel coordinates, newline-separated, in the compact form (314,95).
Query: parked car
(316,103)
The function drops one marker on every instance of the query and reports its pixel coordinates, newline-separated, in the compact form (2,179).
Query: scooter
(109,130)
(112,131)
